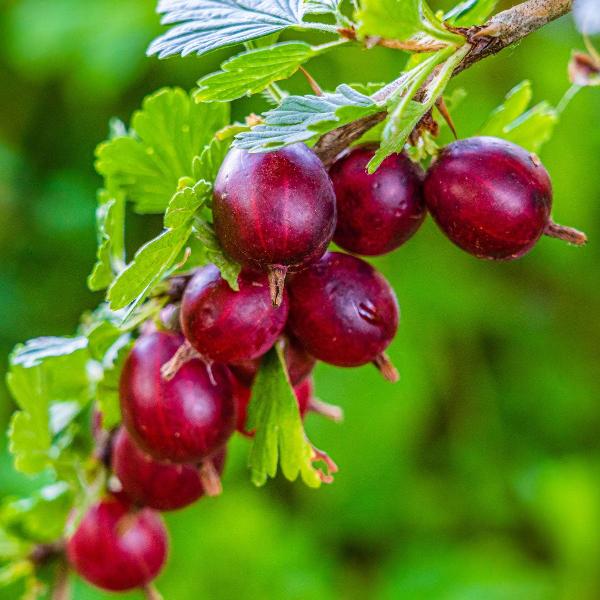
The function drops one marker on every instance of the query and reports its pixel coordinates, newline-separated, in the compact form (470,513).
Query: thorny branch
(504,29)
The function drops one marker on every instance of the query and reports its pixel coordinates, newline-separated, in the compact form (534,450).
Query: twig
(503,30)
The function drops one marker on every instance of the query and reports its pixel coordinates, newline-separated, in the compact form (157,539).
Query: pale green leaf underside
(304,118)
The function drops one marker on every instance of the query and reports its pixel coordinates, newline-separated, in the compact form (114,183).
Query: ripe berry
(274,211)
(228,326)
(298,361)
(183,419)
(158,485)
(116,549)
(379,212)
(492,198)
(344,312)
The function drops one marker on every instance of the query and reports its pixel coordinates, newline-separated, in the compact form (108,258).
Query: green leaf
(211,24)
(51,384)
(11,547)
(14,571)
(401,20)
(533,128)
(470,12)
(40,517)
(149,264)
(229,269)
(253,71)
(515,103)
(206,166)
(321,7)
(280,438)
(185,203)
(170,131)
(512,121)
(110,256)
(304,118)
(406,112)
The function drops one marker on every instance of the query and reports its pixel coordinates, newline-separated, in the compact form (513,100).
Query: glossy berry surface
(183,419)
(116,549)
(303,392)
(228,326)
(491,197)
(298,361)
(159,485)
(342,310)
(376,213)
(274,209)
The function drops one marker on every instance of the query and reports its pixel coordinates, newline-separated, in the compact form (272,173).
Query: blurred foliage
(478,475)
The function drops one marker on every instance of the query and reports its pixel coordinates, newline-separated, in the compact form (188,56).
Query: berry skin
(274,211)
(298,361)
(116,549)
(227,326)
(492,198)
(183,419)
(379,212)
(158,485)
(303,391)
(344,312)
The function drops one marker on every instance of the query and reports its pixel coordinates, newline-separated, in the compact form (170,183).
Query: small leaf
(252,71)
(401,20)
(321,7)
(149,264)
(229,269)
(34,352)
(274,415)
(406,112)
(304,118)
(207,165)
(185,203)
(205,25)
(470,12)
(170,131)
(110,256)
(515,103)
(530,129)
(40,517)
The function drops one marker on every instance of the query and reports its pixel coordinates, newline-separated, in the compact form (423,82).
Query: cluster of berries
(185,389)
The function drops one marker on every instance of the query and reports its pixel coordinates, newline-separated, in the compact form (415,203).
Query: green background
(477,476)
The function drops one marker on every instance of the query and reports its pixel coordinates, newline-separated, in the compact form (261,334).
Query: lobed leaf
(470,12)
(206,25)
(253,71)
(512,121)
(304,118)
(321,7)
(110,256)
(170,131)
(401,20)
(274,415)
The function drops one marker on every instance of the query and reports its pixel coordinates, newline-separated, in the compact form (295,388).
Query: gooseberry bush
(214,326)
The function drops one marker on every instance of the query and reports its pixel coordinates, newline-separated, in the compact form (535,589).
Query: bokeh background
(475,477)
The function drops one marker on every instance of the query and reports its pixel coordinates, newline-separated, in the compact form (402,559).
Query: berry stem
(184,354)
(567,234)
(151,592)
(386,367)
(211,482)
(277,275)
(330,411)
(61,589)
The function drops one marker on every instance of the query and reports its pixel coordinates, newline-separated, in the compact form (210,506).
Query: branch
(503,30)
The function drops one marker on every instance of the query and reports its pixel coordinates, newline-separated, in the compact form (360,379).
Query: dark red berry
(298,361)
(303,391)
(183,419)
(274,210)
(492,198)
(159,485)
(379,212)
(344,312)
(116,549)
(227,326)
